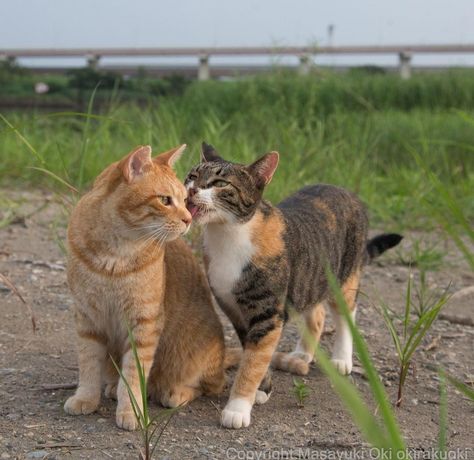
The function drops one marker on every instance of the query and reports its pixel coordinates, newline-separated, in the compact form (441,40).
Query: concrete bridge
(204,70)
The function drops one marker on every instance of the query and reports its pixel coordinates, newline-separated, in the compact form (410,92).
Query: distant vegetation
(361,89)
(372,133)
(17,86)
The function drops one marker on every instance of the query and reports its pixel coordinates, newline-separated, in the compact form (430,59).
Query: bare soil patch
(34,425)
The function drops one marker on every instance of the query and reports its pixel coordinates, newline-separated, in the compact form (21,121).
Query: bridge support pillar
(93,61)
(305,65)
(203,69)
(405,65)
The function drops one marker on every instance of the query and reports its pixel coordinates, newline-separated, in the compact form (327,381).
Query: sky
(164,23)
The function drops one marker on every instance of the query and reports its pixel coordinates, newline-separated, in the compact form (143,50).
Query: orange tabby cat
(126,265)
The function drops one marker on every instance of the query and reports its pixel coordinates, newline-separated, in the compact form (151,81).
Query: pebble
(101,420)
(37,454)
(12,417)
(5,455)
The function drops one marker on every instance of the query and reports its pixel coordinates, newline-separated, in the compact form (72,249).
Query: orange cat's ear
(170,157)
(264,168)
(209,153)
(136,163)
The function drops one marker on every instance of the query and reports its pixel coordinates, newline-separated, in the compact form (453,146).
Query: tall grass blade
(23,139)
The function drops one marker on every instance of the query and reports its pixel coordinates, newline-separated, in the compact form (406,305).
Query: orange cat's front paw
(79,406)
(126,420)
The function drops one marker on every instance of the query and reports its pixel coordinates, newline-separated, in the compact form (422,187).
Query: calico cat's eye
(192,177)
(165,200)
(219,183)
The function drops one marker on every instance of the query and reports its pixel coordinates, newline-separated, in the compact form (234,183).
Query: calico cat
(262,258)
(127,265)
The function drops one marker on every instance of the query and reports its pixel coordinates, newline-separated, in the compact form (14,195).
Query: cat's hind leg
(111,379)
(297,362)
(179,396)
(265,389)
(342,351)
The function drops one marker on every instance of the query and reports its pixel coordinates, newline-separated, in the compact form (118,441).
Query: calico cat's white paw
(261,397)
(236,414)
(343,366)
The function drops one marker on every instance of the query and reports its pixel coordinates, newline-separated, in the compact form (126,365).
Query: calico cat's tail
(381,243)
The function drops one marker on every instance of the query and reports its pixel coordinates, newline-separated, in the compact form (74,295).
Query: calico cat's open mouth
(192,208)
(197,210)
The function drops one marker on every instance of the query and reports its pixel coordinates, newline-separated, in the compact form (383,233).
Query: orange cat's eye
(165,200)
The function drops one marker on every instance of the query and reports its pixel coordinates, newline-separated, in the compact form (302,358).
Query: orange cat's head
(144,197)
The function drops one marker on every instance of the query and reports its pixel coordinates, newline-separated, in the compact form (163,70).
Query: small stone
(37,454)
(101,420)
(12,417)
(5,455)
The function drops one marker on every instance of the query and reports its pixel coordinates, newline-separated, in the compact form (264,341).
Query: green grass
(413,330)
(151,428)
(300,391)
(376,135)
(423,255)
(381,431)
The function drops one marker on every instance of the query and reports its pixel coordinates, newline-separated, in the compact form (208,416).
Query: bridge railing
(305,54)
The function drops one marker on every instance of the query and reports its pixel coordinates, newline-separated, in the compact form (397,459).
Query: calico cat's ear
(170,157)
(137,162)
(264,168)
(209,153)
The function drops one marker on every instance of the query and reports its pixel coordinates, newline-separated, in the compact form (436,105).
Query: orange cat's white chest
(229,249)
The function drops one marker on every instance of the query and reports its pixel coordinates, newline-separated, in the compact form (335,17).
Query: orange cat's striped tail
(290,362)
(232,357)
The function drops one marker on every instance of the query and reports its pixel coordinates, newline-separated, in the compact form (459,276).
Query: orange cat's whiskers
(157,236)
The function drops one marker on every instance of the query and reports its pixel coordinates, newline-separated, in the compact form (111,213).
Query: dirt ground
(34,425)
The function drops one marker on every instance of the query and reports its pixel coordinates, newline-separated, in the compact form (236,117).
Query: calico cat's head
(143,197)
(223,192)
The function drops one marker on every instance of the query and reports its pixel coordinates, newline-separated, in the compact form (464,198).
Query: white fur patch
(261,397)
(205,196)
(229,250)
(236,414)
(301,352)
(342,351)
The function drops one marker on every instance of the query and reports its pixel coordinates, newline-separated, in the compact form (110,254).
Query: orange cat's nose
(187,220)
